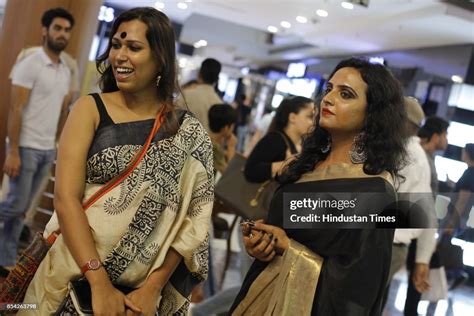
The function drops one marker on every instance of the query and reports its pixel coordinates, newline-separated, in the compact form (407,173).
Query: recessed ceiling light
(183,62)
(159,5)
(322,13)
(301,19)
(182,5)
(272,29)
(457,79)
(347,5)
(285,24)
(200,43)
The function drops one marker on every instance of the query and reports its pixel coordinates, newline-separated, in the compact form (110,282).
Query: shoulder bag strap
(120,177)
(287,143)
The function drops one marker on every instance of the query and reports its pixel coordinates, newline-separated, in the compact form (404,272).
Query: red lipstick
(326,112)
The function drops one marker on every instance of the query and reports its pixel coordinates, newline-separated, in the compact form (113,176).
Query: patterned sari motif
(166,202)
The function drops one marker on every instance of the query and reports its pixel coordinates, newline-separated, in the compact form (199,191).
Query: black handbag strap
(287,142)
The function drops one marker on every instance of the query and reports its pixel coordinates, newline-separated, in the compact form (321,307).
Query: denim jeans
(35,165)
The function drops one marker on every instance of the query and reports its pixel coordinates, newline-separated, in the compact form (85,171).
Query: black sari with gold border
(356,261)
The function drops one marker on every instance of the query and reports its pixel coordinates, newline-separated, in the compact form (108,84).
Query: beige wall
(22,28)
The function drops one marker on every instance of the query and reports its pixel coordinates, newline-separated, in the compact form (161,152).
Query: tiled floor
(460,301)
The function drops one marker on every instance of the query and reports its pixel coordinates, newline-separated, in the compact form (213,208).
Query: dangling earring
(357,152)
(327,148)
(158,80)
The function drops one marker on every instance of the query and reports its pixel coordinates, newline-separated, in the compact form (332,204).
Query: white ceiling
(236,30)
(384,25)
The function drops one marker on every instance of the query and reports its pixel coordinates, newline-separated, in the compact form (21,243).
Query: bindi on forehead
(123,34)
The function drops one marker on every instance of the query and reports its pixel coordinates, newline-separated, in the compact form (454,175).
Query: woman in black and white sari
(151,231)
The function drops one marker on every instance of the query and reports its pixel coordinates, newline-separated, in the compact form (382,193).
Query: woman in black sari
(355,148)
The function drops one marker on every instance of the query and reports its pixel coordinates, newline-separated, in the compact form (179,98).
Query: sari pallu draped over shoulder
(165,202)
(353,258)
(286,286)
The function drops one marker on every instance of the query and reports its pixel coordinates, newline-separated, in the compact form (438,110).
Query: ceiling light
(200,43)
(272,29)
(182,62)
(182,5)
(285,24)
(457,79)
(301,19)
(347,5)
(159,5)
(322,13)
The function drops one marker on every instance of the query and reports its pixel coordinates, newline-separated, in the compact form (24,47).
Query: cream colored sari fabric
(286,286)
(166,202)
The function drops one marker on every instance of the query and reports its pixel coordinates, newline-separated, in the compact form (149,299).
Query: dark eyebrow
(62,27)
(343,86)
(127,41)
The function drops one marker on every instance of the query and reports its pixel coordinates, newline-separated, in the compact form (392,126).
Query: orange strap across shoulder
(119,178)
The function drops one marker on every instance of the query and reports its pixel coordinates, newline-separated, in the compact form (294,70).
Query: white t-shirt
(417,175)
(68,60)
(49,84)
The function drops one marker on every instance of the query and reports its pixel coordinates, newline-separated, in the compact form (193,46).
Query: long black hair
(287,106)
(384,140)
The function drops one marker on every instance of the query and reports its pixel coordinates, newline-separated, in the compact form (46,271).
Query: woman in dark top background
(293,119)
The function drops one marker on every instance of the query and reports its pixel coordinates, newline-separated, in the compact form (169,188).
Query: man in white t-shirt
(64,56)
(40,95)
(416,188)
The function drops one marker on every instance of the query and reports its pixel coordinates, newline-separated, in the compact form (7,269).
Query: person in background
(74,91)
(293,119)
(464,188)
(70,62)
(200,99)
(244,107)
(462,201)
(150,232)
(357,146)
(41,85)
(434,137)
(191,84)
(222,118)
(415,187)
